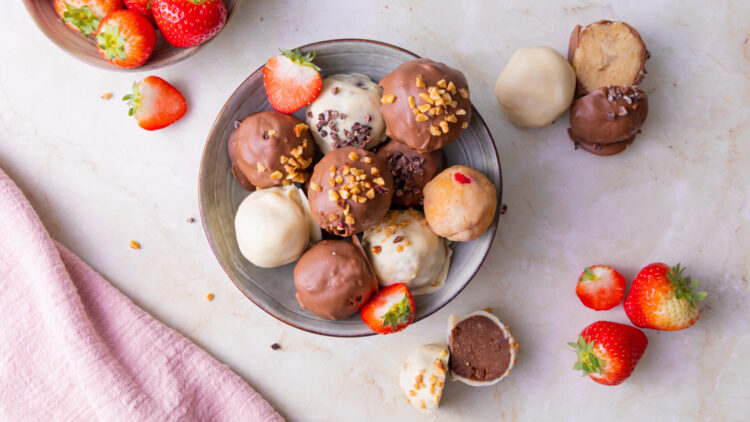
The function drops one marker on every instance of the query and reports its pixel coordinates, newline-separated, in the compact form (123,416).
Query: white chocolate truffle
(274,226)
(423,376)
(347,113)
(403,249)
(509,354)
(535,87)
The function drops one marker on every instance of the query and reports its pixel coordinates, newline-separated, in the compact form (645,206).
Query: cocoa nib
(404,169)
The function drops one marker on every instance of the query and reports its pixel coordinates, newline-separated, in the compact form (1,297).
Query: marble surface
(680,193)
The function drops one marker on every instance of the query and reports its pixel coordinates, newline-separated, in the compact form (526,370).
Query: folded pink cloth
(72,347)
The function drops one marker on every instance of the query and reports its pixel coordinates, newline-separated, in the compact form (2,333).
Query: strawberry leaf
(684,287)
(587,360)
(133,99)
(82,18)
(297,57)
(588,275)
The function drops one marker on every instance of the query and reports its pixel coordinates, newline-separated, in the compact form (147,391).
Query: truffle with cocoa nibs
(270,149)
(607,53)
(425,104)
(350,191)
(607,120)
(411,170)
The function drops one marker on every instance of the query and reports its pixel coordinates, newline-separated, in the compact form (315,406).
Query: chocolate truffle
(535,87)
(482,350)
(347,113)
(425,104)
(350,191)
(274,226)
(607,120)
(270,149)
(460,203)
(607,53)
(423,376)
(403,249)
(334,279)
(411,170)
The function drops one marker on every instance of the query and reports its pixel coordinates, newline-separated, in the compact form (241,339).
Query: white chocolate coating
(358,98)
(423,376)
(453,320)
(420,259)
(535,87)
(274,226)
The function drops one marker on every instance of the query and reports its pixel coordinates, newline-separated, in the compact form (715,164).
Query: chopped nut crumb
(376,249)
(332,217)
(420,83)
(488,310)
(426,98)
(422,118)
(106,96)
(379,181)
(300,128)
(210,297)
(412,393)
(464,125)
(370,194)
(444,126)
(374,171)
(333,196)
(451,88)
(367,160)
(353,156)
(134,245)
(271,132)
(400,248)
(451,118)
(412,104)
(261,167)
(441,83)
(275,346)
(316,187)
(277,175)
(460,112)
(191,220)
(349,220)
(435,131)
(388,99)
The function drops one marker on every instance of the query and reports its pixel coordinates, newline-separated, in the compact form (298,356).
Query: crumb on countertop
(275,346)
(191,220)
(134,245)
(106,96)
(210,297)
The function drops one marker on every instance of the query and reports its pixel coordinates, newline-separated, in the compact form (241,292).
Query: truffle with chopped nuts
(425,104)
(607,120)
(270,149)
(347,113)
(411,170)
(403,249)
(350,191)
(334,279)
(423,376)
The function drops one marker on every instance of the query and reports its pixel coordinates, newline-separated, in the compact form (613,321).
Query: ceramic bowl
(84,49)
(220,195)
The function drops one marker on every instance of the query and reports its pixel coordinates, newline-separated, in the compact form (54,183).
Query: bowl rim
(190,51)
(475,114)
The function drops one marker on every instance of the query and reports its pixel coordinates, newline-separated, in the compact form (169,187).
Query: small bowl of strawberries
(127,35)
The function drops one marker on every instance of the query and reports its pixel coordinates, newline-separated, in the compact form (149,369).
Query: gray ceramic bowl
(220,195)
(84,49)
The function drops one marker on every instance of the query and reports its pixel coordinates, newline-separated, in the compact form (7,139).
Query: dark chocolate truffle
(606,121)
(270,149)
(425,104)
(411,170)
(350,191)
(482,349)
(334,279)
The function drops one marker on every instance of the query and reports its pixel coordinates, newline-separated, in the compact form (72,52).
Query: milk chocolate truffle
(607,120)
(425,104)
(347,113)
(607,53)
(460,203)
(350,191)
(482,350)
(334,279)
(535,87)
(423,376)
(411,170)
(270,149)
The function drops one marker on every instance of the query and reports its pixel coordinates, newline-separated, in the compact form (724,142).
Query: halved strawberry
(155,103)
(292,80)
(609,351)
(600,287)
(125,38)
(390,310)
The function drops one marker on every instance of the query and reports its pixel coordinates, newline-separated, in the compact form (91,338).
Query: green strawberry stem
(399,313)
(684,287)
(133,99)
(588,275)
(112,42)
(587,361)
(82,18)
(296,56)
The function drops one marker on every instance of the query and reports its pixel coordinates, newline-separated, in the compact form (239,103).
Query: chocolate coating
(339,202)
(411,170)
(334,279)
(270,149)
(442,118)
(479,349)
(606,121)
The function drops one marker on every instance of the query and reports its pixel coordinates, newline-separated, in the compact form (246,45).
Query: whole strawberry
(125,39)
(143,7)
(187,23)
(663,298)
(608,351)
(84,15)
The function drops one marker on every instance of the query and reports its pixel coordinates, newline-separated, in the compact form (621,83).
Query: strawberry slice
(600,287)
(390,310)
(155,103)
(292,80)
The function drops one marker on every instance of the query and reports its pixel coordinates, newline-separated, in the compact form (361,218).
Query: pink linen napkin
(72,347)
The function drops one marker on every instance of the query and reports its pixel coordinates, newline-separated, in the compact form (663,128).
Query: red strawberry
(292,80)
(662,298)
(608,351)
(390,310)
(143,7)
(84,15)
(155,103)
(187,23)
(600,287)
(125,38)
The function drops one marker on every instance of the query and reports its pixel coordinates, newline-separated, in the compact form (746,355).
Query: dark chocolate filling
(479,349)
(404,169)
